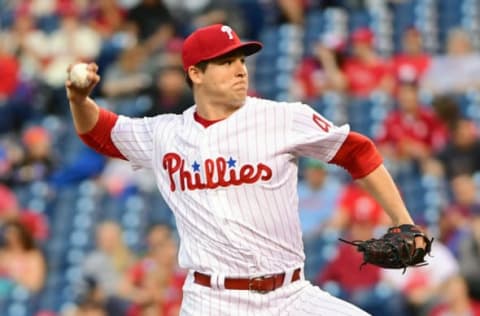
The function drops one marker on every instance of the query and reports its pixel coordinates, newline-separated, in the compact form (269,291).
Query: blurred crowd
(423,99)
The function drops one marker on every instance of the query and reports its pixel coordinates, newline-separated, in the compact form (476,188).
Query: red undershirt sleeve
(99,137)
(358,155)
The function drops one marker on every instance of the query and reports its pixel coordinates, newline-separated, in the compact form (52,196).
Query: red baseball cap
(214,41)
(363,35)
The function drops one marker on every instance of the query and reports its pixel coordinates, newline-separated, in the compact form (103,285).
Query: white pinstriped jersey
(232,186)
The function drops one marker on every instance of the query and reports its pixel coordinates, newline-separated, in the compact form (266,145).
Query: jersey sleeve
(134,138)
(313,135)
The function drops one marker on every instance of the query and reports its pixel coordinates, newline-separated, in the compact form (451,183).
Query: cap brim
(248,48)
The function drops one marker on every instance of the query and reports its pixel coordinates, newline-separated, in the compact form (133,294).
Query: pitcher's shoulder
(162,119)
(175,118)
(270,104)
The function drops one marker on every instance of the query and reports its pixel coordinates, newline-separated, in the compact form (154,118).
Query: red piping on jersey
(99,138)
(205,123)
(358,155)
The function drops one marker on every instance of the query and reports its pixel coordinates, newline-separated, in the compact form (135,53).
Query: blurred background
(85,235)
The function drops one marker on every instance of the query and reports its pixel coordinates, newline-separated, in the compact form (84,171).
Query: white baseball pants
(299,298)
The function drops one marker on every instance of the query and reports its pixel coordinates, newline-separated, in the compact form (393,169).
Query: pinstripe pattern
(244,229)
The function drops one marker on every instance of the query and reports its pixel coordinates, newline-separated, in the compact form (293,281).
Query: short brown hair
(202,66)
(25,236)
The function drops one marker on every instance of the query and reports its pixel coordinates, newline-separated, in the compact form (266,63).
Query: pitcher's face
(225,80)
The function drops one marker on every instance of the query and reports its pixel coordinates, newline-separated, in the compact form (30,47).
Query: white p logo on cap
(227,29)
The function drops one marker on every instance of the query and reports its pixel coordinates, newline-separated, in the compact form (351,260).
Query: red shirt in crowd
(365,78)
(424,128)
(335,270)
(9,69)
(173,295)
(410,67)
(311,77)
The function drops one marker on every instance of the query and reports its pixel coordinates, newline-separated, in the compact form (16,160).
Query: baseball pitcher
(227,167)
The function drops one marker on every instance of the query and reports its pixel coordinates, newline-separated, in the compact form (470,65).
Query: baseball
(79,75)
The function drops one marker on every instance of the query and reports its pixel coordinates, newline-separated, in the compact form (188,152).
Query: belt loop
(288,277)
(214,281)
(221,281)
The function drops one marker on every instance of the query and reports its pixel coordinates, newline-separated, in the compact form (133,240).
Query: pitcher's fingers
(93,67)
(93,77)
(420,242)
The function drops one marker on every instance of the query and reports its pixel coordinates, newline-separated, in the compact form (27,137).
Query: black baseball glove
(396,249)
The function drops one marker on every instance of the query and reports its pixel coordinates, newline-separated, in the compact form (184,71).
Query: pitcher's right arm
(92,123)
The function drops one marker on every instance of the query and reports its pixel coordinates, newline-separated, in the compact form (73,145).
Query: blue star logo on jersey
(195,166)
(231,162)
